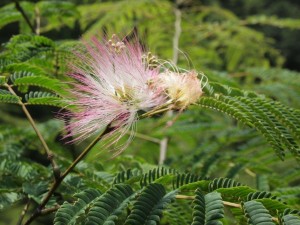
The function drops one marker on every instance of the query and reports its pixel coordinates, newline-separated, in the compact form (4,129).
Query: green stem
(86,151)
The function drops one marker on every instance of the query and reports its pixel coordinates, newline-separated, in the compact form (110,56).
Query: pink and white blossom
(114,80)
(111,86)
(182,89)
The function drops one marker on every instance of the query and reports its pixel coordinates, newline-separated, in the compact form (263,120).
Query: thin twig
(248,171)
(20,9)
(230,204)
(37,20)
(86,151)
(26,207)
(57,182)
(177,34)
(55,168)
(50,210)
(188,197)
(147,138)
(163,150)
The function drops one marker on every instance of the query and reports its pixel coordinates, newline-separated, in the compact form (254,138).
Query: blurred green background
(250,44)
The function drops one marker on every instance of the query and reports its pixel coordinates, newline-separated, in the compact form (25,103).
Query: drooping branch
(55,168)
(21,10)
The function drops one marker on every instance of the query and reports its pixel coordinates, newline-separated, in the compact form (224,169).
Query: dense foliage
(232,158)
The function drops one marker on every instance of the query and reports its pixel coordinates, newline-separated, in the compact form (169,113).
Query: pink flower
(111,85)
(114,80)
(182,89)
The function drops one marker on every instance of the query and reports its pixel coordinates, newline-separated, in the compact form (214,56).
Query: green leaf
(19,70)
(257,214)
(271,119)
(68,213)
(222,183)
(273,205)
(42,81)
(110,205)
(2,80)
(149,206)
(290,220)
(92,207)
(187,180)
(236,193)
(208,209)
(25,47)
(43,98)
(202,184)
(8,197)
(35,191)
(9,14)
(7,97)
(274,21)
(156,173)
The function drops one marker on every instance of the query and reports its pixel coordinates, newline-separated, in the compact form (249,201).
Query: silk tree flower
(113,81)
(111,86)
(182,89)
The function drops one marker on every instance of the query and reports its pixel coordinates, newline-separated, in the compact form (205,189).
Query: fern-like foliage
(153,204)
(208,209)
(149,205)
(257,214)
(290,219)
(69,214)
(7,97)
(92,207)
(42,81)
(109,206)
(184,179)
(155,174)
(60,13)
(25,74)
(43,98)
(222,183)
(277,123)
(7,198)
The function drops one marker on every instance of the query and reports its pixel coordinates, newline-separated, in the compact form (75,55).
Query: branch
(39,211)
(86,151)
(55,168)
(50,210)
(20,9)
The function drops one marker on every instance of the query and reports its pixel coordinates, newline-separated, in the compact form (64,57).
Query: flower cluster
(114,80)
